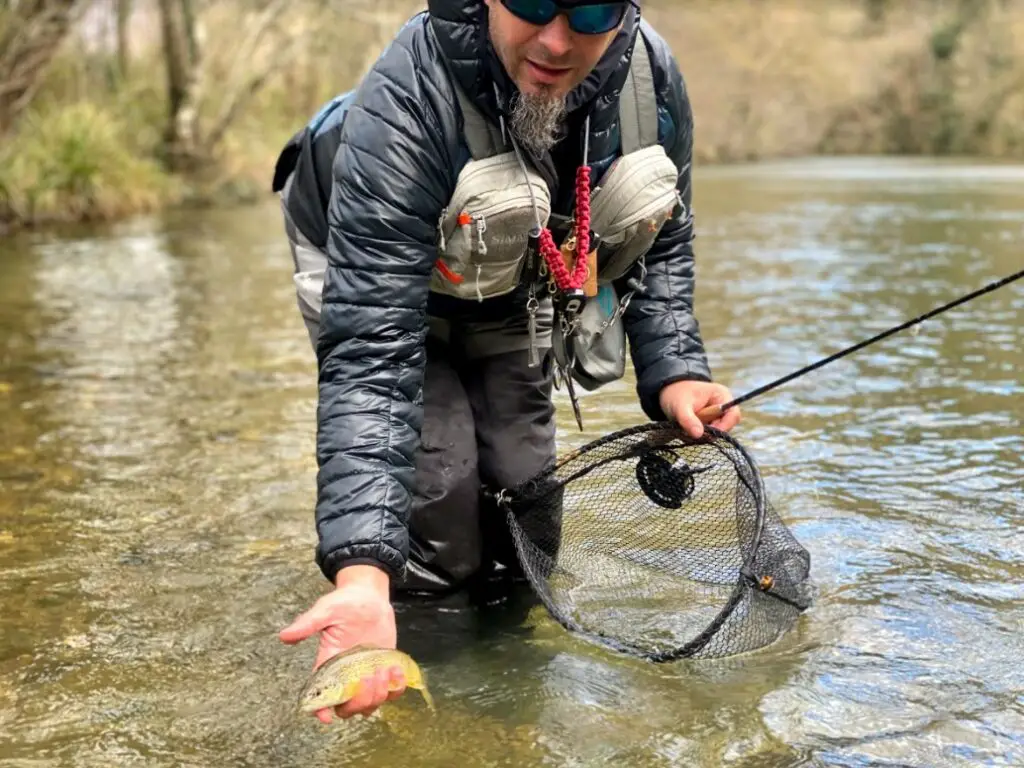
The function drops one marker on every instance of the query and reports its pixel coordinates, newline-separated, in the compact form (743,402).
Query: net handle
(710,414)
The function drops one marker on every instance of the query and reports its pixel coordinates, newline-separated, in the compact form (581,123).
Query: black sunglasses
(586,19)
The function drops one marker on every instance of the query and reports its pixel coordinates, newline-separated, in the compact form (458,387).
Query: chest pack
(484,243)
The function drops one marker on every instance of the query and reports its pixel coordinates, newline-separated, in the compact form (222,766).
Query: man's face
(544,61)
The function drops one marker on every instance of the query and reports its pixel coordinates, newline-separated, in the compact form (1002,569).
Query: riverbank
(766,81)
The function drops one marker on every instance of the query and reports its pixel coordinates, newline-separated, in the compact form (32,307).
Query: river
(157,477)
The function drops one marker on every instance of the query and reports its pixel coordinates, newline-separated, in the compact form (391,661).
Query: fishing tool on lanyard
(565,286)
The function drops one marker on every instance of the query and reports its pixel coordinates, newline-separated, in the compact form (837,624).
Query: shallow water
(157,403)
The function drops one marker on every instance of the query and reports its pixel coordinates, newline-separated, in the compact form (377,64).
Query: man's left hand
(681,401)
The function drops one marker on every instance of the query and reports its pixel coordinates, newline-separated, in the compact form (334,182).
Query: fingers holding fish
(396,683)
(371,693)
(360,679)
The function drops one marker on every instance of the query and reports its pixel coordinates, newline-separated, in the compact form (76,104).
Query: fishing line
(713,412)
(619,543)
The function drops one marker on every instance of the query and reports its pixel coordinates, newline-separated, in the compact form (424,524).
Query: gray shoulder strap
(638,104)
(484,139)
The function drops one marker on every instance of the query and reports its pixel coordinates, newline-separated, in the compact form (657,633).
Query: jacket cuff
(389,560)
(663,373)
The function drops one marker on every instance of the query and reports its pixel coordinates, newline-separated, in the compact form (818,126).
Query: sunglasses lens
(532,11)
(596,19)
(593,19)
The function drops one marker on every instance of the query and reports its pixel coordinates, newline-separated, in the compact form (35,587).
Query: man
(425,392)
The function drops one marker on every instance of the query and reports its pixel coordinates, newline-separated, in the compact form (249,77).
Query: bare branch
(241,95)
(256,28)
(34,33)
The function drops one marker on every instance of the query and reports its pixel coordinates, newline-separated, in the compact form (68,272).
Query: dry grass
(74,164)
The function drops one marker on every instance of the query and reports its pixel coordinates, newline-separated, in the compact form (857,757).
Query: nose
(556,37)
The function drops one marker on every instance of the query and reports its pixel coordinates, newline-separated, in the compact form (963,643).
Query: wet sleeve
(390,181)
(664,335)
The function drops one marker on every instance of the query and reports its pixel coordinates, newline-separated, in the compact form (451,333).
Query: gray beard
(537,120)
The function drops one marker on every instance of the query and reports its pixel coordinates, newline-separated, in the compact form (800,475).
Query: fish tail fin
(428,698)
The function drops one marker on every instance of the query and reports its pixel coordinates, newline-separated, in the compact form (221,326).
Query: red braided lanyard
(553,256)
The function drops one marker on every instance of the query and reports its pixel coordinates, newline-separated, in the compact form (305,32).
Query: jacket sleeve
(390,181)
(664,335)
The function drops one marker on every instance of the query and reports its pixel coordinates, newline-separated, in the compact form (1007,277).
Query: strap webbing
(484,139)
(638,104)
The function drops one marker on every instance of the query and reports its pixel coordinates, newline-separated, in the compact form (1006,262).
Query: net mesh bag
(659,545)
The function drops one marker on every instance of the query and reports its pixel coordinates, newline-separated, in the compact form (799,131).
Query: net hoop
(663,433)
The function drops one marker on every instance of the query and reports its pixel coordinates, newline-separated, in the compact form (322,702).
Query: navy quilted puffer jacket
(394,160)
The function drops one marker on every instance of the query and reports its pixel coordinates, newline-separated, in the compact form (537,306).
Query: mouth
(543,74)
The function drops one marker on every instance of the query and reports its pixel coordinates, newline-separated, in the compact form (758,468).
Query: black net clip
(570,302)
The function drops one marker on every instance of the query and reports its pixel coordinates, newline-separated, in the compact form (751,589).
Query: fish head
(324,692)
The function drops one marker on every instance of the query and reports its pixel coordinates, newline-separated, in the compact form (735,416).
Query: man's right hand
(357,611)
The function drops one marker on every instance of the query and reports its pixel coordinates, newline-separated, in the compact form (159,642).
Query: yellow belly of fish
(349,690)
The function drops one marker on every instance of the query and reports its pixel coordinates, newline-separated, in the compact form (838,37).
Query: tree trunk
(30,34)
(124,14)
(181,140)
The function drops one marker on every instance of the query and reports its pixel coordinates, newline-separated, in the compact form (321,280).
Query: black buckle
(571,302)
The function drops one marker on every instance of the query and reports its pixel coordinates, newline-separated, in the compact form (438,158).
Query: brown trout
(338,679)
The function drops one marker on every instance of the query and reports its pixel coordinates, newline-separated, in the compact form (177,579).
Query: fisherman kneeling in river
(504,199)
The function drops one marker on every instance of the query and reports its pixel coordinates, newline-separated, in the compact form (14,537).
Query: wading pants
(488,420)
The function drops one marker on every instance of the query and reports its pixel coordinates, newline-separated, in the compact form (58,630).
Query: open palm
(348,616)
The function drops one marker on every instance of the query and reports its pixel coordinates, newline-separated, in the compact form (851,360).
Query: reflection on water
(157,397)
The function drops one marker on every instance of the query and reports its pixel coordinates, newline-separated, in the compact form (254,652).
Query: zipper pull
(481,227)
(440,229)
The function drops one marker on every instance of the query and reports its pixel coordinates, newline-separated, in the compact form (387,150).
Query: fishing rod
(713,412)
